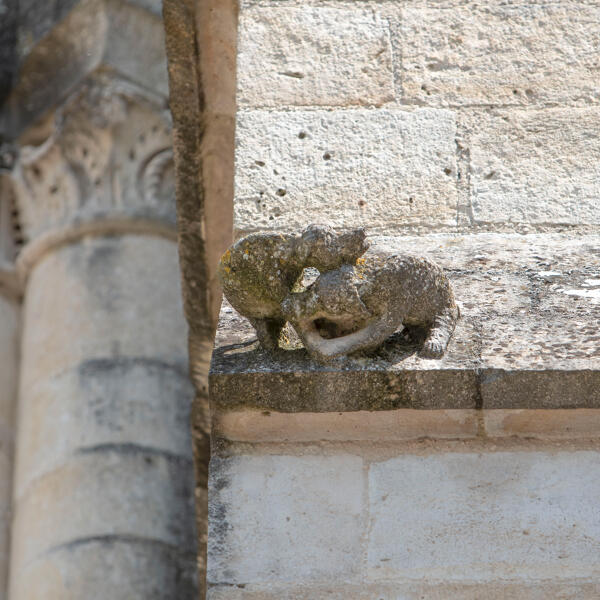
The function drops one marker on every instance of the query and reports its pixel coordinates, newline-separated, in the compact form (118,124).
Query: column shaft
(9,330)
(104,478)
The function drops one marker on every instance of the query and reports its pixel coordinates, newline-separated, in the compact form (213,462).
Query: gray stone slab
(528,338)
(285,518)
(490,517)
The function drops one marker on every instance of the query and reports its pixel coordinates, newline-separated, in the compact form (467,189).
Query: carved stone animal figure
(259,271)
(351,309)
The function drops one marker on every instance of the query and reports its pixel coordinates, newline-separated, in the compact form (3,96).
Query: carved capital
(104,158)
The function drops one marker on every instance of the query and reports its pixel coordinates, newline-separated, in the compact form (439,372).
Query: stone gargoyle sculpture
(354,304)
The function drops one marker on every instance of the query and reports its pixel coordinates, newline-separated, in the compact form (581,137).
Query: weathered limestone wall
(467,132)
(413,520)
(418,116)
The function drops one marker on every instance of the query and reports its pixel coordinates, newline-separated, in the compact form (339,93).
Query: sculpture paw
(432,349)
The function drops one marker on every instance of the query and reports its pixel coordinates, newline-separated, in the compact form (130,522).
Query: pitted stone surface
(524,339)
(379,168)
(304,56)
(495,53)
(539,167)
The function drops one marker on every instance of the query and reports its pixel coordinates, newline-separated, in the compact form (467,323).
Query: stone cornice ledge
(528,339)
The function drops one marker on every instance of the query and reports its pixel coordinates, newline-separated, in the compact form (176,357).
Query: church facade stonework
(465,133)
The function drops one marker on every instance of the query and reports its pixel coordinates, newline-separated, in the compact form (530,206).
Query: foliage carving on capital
(107,155)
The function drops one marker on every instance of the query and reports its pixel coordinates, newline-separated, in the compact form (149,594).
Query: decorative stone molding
(107,162)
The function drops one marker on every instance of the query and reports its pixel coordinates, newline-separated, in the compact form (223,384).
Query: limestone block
(536,166)
(105,402)
(115,491)
(114,567)
(543,424)
(378,168)
(302,56)
(285,518)
(524,515)
(114,297)
(500,54)
(393,425)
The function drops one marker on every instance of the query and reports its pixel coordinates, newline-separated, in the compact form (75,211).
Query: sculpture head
(321,247)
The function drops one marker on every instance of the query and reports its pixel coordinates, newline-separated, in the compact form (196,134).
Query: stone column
(103,489)
(9,337)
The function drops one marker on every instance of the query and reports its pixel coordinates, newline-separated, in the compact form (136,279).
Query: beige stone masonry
(457,54)
(520,79)
(316,505)
(391,475)
(393,425)
(466,517)
(535,166)
(543,424)
(255,426)
(378,168)
(311,55)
